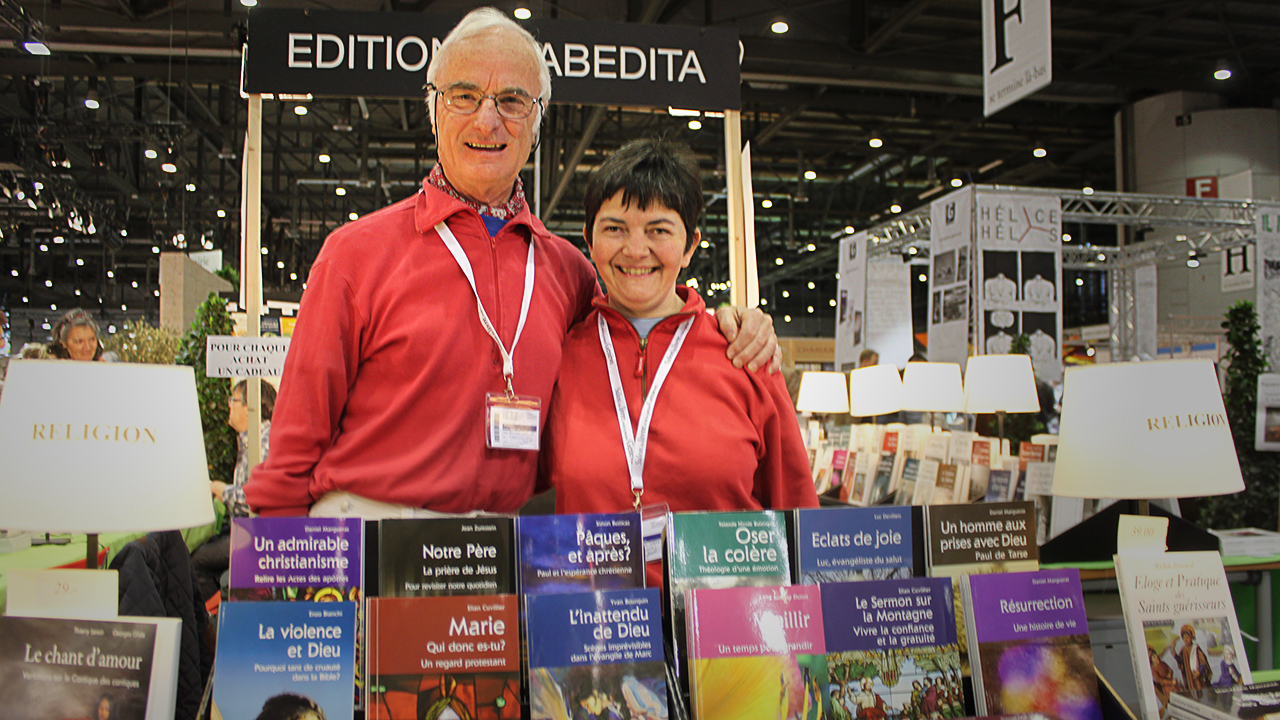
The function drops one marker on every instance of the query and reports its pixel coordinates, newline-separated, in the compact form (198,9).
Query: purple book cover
(1029,645)
(322,555)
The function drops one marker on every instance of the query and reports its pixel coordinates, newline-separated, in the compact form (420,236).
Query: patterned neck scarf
(505,211)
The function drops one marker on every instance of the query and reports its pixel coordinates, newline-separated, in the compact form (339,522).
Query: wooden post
(251,261)
(733,193)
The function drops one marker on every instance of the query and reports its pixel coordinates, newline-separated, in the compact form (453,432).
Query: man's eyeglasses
(510,105)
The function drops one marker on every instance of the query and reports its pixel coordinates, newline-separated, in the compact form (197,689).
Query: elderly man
(429,337)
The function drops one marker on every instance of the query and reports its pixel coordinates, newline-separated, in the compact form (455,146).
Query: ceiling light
(353,216)
(779,27)
(704,244)
(810,247)
(249,3)
(875,142)
(323,156)
(33,44)
(766,203)
(522,13)
(91,100)
(264,251)
(848,230)
(922,277)
(1193,260)
(895,208)
(695,124)
(1039,151)
(810,175)
(811,309)
(280,265)
(168,165)
(299,109)
(832,302)
(1079,282)
(811,285)
(339,191)
(1066,237)
(681,112)
(150,153)
(1087,190)
(956,182)
(222,213)
(293,276)
(776,261)
(786,293)
(191,187)
(1222,71)
(111,273)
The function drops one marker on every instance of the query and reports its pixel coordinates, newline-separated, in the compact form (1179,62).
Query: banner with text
(888,321)
(851,303)
(229,356)
(1266,228)
(1019,248)
(377,54)
(1017,51)
(951,247)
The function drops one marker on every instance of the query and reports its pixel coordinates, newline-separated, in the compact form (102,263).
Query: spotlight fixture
(695,124)
(766,203)
(299,110)
(33,44)
(1039,151)
(323,156)
(150,153)
(848,230)
(810,175)
(249,3)
(353,216)
(1193,259)
(168,165)
(340,191)
(956,182)
(1222,71)
(779,26)
(875,141)
(222,213)
(1087,189)
(91,100)
(522,13)
(895,208)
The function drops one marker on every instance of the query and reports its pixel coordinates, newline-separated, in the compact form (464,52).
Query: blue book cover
(846,544)
(291,655)
(577,553)
(596,652)
(892,646)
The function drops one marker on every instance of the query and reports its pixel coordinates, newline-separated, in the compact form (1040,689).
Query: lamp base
(1094,539)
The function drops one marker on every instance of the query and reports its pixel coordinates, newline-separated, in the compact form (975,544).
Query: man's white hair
(481,21)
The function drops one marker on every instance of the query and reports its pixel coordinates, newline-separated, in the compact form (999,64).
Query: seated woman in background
(212,558)
(75,337)
(699,433)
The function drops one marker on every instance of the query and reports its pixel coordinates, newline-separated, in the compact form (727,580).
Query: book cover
(926,483)
(892,649)
(720,550)
(295,655)
(981,538)
(296,558)
(596,654)
(445,556)
(845,544)
(1181,623)
(999,485)
(855,487)
(576,553)
(68,668)
(441,657)
(979,469)
(1029,645)
(944,490)
(1228,702)
(757,652)
(910,475)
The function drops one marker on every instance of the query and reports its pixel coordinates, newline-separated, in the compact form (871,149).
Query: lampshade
(932,387)
(874,390)
(98,447)
(994,383)
(823,392)
(1145,430)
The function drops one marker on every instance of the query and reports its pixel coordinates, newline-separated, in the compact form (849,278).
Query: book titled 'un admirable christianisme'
(596,651)
(1029,644)
(313,559)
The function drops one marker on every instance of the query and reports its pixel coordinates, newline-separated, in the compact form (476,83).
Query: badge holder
(512,422)
(653,523)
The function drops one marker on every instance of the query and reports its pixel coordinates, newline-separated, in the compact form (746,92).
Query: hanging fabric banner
(851,301)
(1266,228)
(950,270)
(1019,280)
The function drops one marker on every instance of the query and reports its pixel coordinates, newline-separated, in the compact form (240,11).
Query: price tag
(1141,534)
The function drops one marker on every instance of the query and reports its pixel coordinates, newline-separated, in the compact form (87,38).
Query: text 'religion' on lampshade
(874,390)
(932,387)
(98,447)
(1145,430)
(995,383)
(823,392)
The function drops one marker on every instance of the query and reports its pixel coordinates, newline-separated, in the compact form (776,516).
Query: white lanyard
(635,445)
(508,368)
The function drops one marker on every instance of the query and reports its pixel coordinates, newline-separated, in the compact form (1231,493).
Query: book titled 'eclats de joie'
(891,648)
(286,658)
(1029,644)
(757,652)
(449,656)
(845,544)
(596,655)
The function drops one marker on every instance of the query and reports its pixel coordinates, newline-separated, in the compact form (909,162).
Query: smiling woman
(616,439)
(75,337)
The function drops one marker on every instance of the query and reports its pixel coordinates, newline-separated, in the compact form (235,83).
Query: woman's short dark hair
(288,706)
(241,390)
(646,172)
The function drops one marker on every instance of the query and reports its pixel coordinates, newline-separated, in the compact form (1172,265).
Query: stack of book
(1249,541)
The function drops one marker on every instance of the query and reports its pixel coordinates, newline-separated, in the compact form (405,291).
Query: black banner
(374,54)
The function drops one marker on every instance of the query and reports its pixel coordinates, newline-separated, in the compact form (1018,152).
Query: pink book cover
(757,649)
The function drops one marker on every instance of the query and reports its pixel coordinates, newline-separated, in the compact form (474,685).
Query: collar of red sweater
(693,303)
(434,205)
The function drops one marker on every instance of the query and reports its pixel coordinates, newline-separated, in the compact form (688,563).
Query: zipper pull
(640,358)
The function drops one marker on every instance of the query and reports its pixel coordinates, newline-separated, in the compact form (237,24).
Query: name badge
(653,523)
(512,423)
